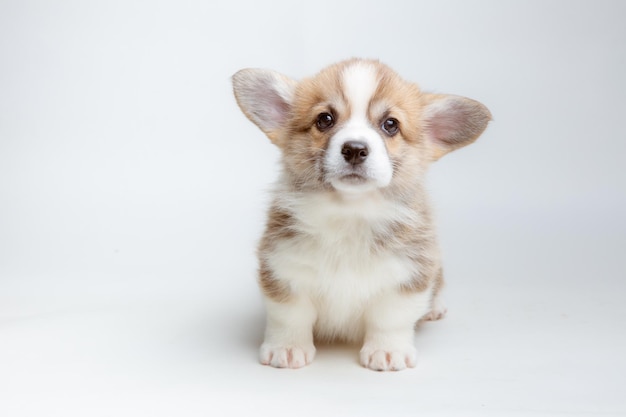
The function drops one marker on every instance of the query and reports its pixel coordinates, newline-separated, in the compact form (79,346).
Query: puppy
(349,251)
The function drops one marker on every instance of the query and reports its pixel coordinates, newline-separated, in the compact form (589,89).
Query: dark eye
(391,126)
(325,121)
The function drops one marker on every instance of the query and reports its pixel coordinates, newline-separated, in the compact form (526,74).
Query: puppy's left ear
(451,122)
(265,97)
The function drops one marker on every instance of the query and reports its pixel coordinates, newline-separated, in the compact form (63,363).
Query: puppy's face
(356,126)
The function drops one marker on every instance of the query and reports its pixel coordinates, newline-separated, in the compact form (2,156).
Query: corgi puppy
(349,251)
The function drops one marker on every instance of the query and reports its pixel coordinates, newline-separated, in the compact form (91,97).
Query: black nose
(354,152)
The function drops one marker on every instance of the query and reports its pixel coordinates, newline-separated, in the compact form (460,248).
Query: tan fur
(280,226)
(271,287)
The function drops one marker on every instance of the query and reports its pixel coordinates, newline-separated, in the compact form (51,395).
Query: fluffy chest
(336,270)
(338,254)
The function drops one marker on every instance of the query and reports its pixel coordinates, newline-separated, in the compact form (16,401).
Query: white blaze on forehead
(360,81)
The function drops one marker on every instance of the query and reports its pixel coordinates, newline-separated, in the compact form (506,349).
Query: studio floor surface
(538,331)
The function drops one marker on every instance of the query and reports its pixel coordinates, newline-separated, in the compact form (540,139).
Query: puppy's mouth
(353,182)
(353,179)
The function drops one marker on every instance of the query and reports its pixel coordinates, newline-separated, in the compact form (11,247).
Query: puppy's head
(356,126)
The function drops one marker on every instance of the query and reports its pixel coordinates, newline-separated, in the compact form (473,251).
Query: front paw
(388,359)
(286,356)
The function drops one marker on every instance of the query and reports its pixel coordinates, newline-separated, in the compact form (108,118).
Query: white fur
(340,289)
(359,82)
(288,337)
(389,343)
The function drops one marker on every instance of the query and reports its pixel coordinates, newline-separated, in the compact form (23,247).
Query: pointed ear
(265,97)
(452,122)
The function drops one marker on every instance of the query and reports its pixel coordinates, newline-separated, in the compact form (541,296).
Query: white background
(132,195)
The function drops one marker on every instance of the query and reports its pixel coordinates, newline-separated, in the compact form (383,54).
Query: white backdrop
(128,177)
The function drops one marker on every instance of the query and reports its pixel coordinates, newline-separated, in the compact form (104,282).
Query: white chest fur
(336,261)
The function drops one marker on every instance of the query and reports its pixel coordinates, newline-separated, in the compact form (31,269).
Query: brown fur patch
(271,287)
(418,283)
(399,99)
(279,227)
(280,224)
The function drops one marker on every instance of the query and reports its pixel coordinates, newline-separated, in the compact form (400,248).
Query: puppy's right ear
(265,97)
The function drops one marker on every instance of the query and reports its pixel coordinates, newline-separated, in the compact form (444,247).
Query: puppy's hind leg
(437,308)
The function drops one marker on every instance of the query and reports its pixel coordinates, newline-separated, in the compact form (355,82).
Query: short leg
(389,335)
(289,333)
(437,309)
